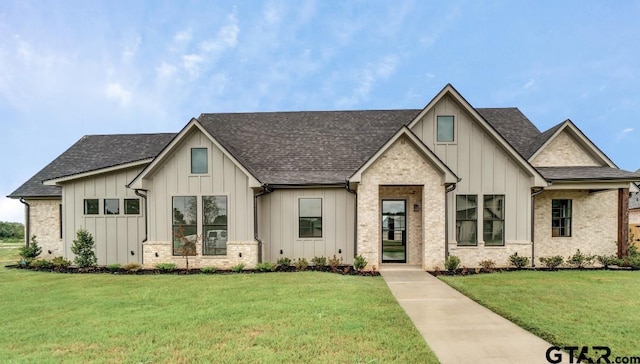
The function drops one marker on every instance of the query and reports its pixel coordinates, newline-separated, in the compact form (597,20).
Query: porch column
(623,222)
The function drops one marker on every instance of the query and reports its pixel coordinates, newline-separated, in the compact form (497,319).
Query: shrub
(113,267)
(208,270)
(518,261)
(166,267)
(488,264)
(452,263)
(632,251)
(284,262)
(60,262)
(265,267)
(301,264)
(608,260)
(132,267)
(359,262)
(32,251)
(319,261)
(580,260)
(334,262)
(632,261)
(82,247)
(552,262)
(237,268)
(41,264)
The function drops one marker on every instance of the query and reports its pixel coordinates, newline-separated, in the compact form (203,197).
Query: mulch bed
(473,271)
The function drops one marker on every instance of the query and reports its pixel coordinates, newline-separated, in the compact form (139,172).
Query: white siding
(278,225)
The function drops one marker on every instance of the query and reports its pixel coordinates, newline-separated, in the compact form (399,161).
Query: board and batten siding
(484,166)
(224,178)
(115,236)
(278,225)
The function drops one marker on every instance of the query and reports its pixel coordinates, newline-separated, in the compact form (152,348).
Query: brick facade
(44,223)
(563,151)
(237,252)
(402,165)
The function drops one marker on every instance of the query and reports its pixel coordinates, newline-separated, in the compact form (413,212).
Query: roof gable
(513,125)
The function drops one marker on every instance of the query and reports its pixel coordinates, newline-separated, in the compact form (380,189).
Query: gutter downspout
(265,189)
(355,217)
(146,218)
(533,222)
(27,221)
(450,188)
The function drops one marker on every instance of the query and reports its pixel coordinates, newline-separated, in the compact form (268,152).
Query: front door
(394,233)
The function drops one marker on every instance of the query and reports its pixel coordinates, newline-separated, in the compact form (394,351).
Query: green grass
(567,308)
(261,318)
(8,256)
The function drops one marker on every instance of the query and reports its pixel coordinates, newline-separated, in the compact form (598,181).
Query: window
(445,129)
(111,206)
(185,226)
(131,206)
(199,163)
(60,212)
(214,225)
(91,206)
(493,220)
(310,217)
(467,219)
(560,218)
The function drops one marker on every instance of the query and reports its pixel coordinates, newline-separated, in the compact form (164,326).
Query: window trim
(84,203)
(484,199)
(311,237)
(104,205)
(562,218)
(206,160)
(453,129)
(125,206)
(226,227)
(475,243)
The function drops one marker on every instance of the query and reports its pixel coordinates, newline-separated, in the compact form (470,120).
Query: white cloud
(372,73)
(11,210)
(627,130)
(191,63)
(529,83)
(227,37)
(116,92)
(166,70)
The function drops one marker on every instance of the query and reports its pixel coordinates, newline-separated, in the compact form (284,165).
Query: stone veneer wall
(44,223)
(594,227)
(471,256)
(248,250)
(402,165)
(413,195)
(634,217)
(563,151)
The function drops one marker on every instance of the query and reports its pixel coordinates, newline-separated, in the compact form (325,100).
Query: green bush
(632,261)
(265,267)
(301,264)
(334,262)
(131,267)
(41,264)
(488,264)
(60,262)
(237,268)
(608,260)
(452,263)
(113,267)
(552,262)
(208,270)
(32,251)
(360,262)
(82,247)
(284,262)
(632,251)
(165,267)
(319,261)
(580,260)
(518,261)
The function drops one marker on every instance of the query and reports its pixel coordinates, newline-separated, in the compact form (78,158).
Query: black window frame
(465,218)
(453,128)
(559,223)
(206,161)
(492,220)
(97,206)
(308,222)
(190,228)
(219,223)
(126,206)
(105,206)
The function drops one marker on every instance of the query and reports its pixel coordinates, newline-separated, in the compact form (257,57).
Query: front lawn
(567,308)
(274,317)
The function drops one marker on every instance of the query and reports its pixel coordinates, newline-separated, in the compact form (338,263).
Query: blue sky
(70,68)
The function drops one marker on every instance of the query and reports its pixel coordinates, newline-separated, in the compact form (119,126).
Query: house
(395,186)
(634,217)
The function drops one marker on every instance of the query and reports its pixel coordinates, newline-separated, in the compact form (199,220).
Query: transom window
(310,217)
(131,206)
(111,206)
(214,225)
(493,220)
(467,219)
(199,163)
(91,206)
(560,218)
(445,129)
(185,228)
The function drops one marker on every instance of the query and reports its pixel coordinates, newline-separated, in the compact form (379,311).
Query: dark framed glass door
(394,231)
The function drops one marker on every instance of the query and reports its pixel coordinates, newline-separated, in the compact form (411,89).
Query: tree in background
(11,230)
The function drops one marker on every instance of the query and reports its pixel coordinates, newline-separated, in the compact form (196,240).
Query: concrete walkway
(457,329)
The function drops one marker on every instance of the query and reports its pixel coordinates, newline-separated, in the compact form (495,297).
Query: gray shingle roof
(514,127)
(539,140)
(91,153)
(322,147)
(586,173)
